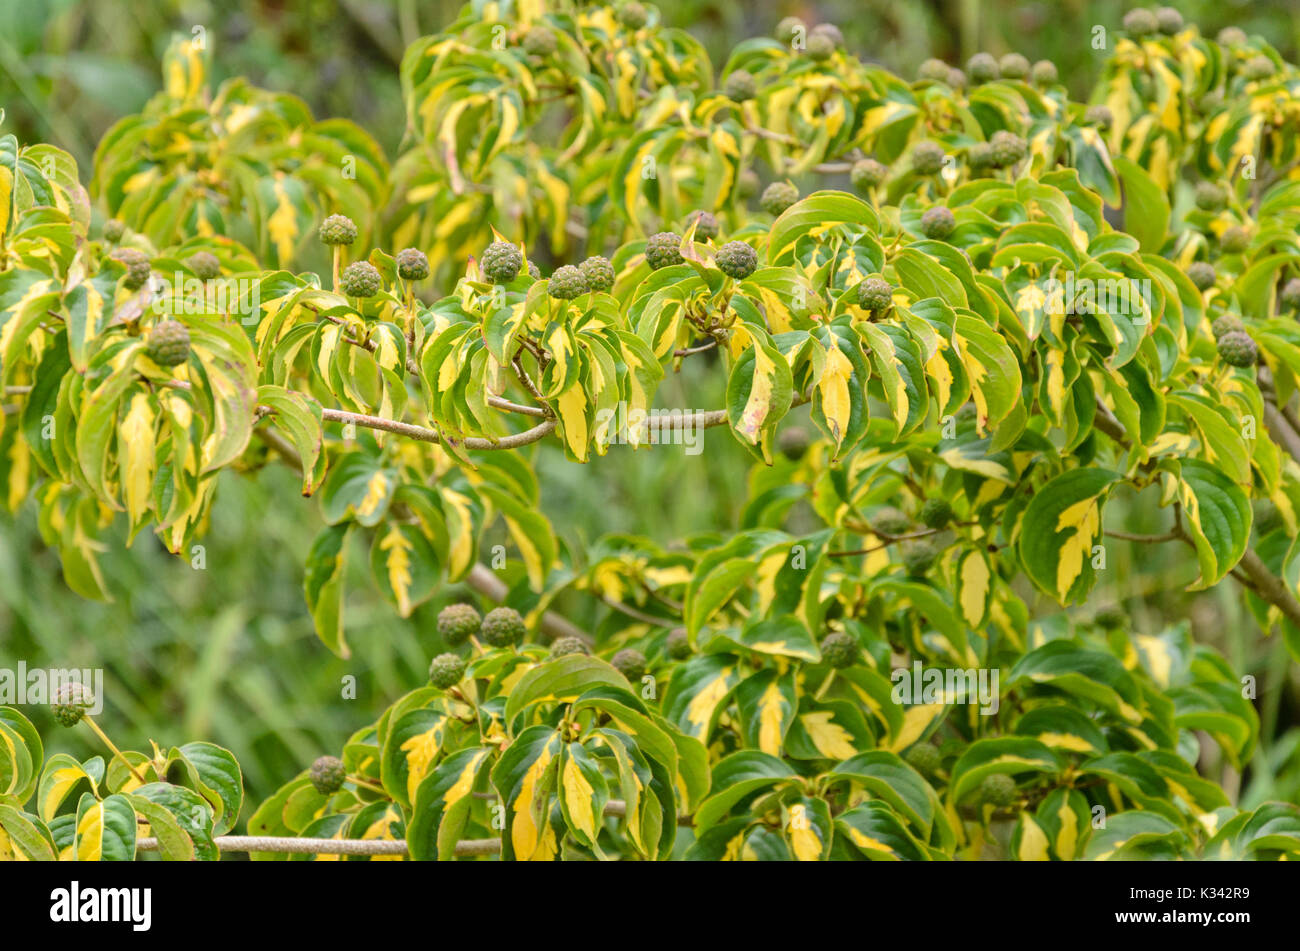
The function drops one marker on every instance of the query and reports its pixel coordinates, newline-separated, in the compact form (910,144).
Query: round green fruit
(1234,240)
(982,68)
(629,662)
(936,513)
(1013,66)
(633,15)
(327,775)
(503,627)
(1100,116)
(168,344)
(935,70)
(113,230)
(740,86)
(539,41)
(566,283)
(840,650)
(925,758)
(777,197)
(598,273)
(736,259)
(361,279)
(563,646)
(663,250)
(937,223)
(875,294)
(820,47)
(502,262)
(1201,273)
(137,267)
(890,521)
(446,670)
(412,264)
(678,644)
(1168,20)
(919,557)
(1290,295)
(457,623)
(867,174)
(1007,148)
(204,265)
(338,230)
(998,790)
(706,225)
(928,157)
(1228,323)
(1237,349)
(793,442)
(1140,22)
(1044,73)
(1210,196)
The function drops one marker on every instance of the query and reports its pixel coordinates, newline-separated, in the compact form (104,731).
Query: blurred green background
(227,653)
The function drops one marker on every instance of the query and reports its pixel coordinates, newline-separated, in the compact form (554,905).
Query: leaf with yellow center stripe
(828,730)
(411,750)
(875,830)
(1066,820)
(900,369)
(736,777)
(839,399)
(525,778)
(760,389)
(405,563)
(583,793)
(1094,675)
(767,702)
(1004,755)
(1058,530)
(1218,518)
(61,777)
(696,693)
(24,837)
(105,831)
(562,679)
(21,753)
(442,804)
(809,829)
(1063,728)
(887,777)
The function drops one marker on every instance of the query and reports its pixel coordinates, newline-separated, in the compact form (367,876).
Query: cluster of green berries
(501,262)
(663,250)
(633,15)
(875,294)
(563,646)
(567,283)
(678,644)
(1227,324)
(938,223)
(840,650)
(204,265)
(412,264)
(338,230)
(168,343)
(503,627)
(740,86)
(1290,295)
(919,557)
(1100,116)
(629,662)
(706,225)
(936,513)
(598,273)
(137,267)
(736,259)
(539,41)
(1006,149)
(328,775)
(777,197)
(71,703)
(1202,275)
(446,670)
(928,157)
(998,790)
(457,623)
(1140,22)
(1258,67)
(361,279)
(889,521)
(1237,349)
(867,174)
